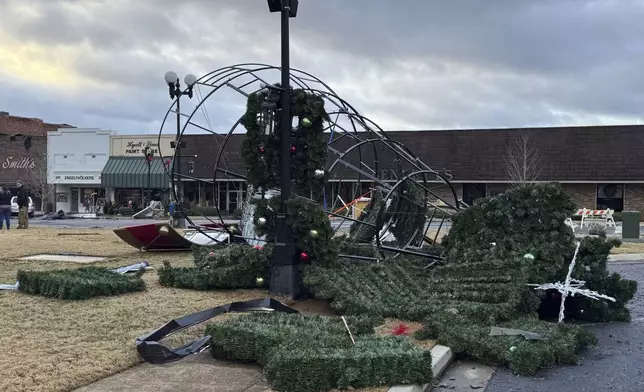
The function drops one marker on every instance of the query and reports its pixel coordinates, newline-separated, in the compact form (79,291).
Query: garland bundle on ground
(559,344)
(79,284)
(530,221)
(233,267)
(493,251)
(313,353)
(405,289)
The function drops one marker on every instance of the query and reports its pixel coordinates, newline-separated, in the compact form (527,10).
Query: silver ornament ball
(259,282)
(318,173)
(313,233)
(513,349)
(261,220)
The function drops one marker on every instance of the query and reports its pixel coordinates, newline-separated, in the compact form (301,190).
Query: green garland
(409,211)
(310,225)
(79,284)
(530,220)
(314,353)
(560,343)
(260,151)
(404,289)
(233,267)
(365,230)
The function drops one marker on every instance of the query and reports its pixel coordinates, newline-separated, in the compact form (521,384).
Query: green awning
(132,172)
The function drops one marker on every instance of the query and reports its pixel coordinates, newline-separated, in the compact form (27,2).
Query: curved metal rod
(224,76)
(379,220)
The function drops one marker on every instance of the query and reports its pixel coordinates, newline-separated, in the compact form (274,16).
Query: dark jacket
(23,197)
(5,199)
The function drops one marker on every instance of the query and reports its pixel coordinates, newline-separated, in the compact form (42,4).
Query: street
(616,364)
(112,223)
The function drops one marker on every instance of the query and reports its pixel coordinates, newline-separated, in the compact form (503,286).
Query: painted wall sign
(18,163)
(136,145)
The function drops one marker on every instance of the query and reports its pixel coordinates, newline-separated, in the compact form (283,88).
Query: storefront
(77,158)
(129,180)
(17,162)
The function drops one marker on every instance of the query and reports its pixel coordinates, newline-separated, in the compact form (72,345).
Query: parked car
(14,206)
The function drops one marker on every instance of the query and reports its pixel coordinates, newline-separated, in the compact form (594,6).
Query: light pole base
(286,281)
(285,271)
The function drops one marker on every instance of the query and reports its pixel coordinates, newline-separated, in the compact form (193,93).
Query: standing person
(5,208)
(171,208)
(23,206)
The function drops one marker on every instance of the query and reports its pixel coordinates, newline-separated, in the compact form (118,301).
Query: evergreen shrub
(79,284)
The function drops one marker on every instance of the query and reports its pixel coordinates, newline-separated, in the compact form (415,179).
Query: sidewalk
(196,373)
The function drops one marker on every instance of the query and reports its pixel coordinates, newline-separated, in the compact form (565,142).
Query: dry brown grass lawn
(52,345)
(629,247)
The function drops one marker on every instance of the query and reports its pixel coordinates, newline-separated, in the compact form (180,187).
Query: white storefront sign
(134,146)
(77,178)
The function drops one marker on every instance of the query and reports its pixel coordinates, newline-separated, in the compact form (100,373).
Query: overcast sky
(407,64)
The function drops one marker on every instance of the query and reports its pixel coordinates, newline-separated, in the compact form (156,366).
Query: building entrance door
(73,200)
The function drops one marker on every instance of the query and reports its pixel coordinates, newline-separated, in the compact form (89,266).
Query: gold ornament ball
(261,221)
(313,233)
(259,282)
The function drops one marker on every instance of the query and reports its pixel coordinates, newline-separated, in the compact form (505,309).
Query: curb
(622,257)
(442,357)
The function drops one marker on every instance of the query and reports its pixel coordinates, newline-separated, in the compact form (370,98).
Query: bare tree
(37,182)
(523,161)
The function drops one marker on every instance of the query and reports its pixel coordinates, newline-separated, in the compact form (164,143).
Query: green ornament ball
(306,122)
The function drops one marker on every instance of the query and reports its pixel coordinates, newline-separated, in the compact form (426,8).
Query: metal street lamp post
(149,156)
(285,278)
(174,87)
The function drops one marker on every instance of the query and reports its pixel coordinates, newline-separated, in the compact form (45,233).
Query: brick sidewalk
(197,373)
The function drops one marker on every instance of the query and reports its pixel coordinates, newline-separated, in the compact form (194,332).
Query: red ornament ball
(258,247)
(304,257)
(262,150)
(293,148)
(211,254)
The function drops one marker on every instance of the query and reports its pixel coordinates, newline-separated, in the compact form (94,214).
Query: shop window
(472,192)
(610,196)
(191,192)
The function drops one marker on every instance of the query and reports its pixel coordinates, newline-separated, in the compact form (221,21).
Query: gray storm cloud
(412,64)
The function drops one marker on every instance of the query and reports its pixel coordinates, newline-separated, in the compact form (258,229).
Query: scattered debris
(498,331)
(9,286)
(70,258)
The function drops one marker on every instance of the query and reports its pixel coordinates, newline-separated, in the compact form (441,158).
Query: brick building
(23,153)
(600,166)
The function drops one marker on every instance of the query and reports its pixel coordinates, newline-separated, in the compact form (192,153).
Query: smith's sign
(18,163)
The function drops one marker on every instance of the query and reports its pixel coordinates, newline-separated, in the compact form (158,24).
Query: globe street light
(174,87)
